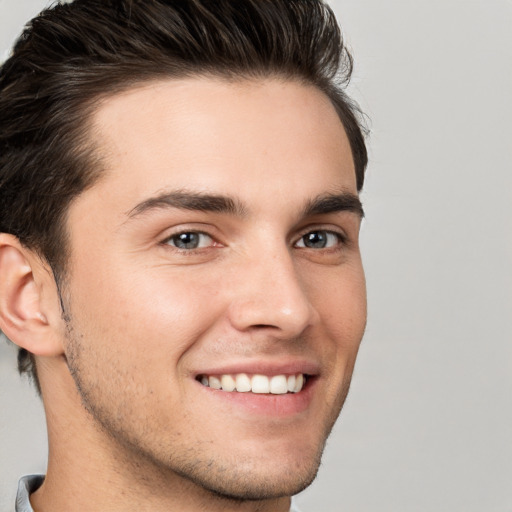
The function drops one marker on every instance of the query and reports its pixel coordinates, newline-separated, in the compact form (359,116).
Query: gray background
(428,423)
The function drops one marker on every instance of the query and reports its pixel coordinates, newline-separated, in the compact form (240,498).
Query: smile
(260,384)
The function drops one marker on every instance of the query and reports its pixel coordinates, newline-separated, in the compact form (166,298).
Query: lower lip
(267,404)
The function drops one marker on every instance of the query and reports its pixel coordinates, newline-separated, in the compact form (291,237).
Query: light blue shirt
(29,484)
(26,486)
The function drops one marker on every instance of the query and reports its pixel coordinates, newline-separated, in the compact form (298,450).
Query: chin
(255,484)
(253,478)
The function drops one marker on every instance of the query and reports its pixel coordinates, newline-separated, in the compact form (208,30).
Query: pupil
(316,240)
(187,240)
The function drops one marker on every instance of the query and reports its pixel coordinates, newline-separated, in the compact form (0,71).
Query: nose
(269,295)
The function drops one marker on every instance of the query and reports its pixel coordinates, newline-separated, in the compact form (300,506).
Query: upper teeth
(241,382)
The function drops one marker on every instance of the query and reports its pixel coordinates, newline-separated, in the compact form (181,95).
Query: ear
(29,307)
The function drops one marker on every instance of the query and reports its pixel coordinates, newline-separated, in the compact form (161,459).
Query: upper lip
(263,367)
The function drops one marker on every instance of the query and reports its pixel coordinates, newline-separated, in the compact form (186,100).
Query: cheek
(156,311)
(340,299)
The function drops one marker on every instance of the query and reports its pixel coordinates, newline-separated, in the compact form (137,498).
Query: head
(81,76)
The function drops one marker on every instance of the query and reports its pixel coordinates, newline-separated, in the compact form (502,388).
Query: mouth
(257,383)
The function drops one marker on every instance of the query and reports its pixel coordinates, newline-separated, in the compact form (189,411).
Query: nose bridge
(271,294)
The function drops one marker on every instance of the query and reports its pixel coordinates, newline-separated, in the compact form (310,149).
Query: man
(179,259)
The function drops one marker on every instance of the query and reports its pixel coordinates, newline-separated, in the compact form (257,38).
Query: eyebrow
(332,203)
(198,201)
(191,201)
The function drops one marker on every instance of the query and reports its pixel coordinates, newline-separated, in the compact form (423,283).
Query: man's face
(222,240)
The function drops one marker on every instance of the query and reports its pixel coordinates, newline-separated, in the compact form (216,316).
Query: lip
(267,405)
(270,368)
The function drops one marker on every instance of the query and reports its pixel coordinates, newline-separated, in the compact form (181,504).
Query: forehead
(206,134)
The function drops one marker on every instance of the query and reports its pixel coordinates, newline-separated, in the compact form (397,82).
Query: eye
(190,240)
(320,239)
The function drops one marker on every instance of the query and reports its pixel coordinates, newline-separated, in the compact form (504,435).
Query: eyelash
(340,237)
(181,233)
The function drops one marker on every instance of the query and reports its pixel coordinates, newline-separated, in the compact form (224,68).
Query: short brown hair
(75,53)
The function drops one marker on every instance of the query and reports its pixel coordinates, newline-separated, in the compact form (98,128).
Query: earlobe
(22,317)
